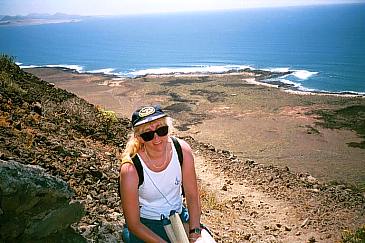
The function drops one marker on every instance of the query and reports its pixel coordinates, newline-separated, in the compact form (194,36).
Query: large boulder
(35,206)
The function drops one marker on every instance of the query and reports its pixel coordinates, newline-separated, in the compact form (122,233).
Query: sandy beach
(231,112)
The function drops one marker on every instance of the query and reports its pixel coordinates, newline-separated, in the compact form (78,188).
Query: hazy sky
(113,7)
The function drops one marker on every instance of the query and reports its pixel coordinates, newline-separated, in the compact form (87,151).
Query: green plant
(108,118)
(9,85)
(357,188)
(312,130)
(350,117)
(9,73)
(357,236)
(6,62)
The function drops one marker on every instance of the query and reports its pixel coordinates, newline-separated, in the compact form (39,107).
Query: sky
(127,7)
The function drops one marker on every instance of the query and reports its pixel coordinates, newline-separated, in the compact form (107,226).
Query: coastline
(234,112)
(293,90)
(37,22)
(257,77)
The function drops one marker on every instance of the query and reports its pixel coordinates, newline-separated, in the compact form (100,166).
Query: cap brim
(149,119)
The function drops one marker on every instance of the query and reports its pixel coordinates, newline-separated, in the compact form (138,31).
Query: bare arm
(129,195)
(190,186)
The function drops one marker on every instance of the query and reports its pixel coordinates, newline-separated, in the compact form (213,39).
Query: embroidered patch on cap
(146,111)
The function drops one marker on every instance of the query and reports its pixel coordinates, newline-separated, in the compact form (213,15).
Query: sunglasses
(161,131)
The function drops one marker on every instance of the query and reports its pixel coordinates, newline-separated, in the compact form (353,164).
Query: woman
(163,176)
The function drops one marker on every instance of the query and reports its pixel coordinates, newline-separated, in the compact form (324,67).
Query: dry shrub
(357,236)
(209,201)
(9,85)
(4,119)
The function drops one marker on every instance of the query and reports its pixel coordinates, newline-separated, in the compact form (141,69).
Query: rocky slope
(71,139)
(36,207)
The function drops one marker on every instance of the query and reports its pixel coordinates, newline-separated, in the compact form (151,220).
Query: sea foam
(29,66)
(77,68)
(104,71)
(300,74)
(186,70)
(303,74)
(279,69)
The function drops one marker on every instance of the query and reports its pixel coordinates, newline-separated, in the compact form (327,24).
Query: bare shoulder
(128,179)
(128,169)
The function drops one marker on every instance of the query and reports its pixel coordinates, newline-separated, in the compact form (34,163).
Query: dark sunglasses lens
(148,136)
(162,131)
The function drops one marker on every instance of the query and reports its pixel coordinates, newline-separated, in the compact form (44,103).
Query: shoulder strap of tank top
(178,150)
(180,156)
(139,168)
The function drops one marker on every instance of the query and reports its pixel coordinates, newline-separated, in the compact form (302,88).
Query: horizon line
(181,11)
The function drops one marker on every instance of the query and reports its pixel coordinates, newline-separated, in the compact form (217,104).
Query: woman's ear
(140,140)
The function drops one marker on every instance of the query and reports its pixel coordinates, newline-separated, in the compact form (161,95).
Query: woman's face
(157,143)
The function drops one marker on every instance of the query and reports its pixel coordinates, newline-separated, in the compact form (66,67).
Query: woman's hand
(193,237)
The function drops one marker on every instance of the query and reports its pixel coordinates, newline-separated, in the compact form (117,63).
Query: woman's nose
(156,137)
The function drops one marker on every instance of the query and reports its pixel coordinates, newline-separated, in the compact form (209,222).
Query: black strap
(178,150)
(180,156)
(139,168)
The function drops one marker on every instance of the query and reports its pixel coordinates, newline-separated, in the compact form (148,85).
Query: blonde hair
(134,145)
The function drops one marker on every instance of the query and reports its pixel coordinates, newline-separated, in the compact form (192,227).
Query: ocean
(323,46)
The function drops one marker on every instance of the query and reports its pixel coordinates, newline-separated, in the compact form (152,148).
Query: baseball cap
(146,114)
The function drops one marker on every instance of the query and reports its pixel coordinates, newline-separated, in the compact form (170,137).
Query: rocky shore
(243,199)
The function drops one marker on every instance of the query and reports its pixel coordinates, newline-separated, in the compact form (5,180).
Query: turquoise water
(322,45)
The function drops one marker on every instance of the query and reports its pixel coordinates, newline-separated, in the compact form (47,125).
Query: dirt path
(273,206)
(247,214)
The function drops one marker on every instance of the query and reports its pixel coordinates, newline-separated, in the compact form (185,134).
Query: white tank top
(161,191)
